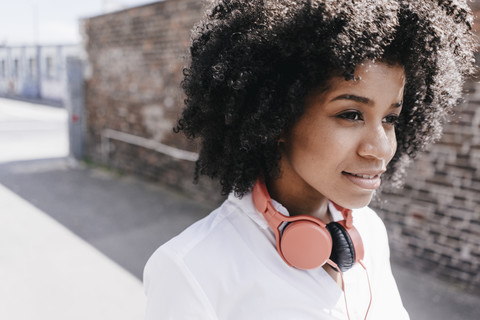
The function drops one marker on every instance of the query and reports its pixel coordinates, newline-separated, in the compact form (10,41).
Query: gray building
(35,72)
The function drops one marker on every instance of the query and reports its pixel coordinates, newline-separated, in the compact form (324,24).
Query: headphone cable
(334,265)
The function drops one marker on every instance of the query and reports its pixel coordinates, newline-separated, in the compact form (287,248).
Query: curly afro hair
(254,62)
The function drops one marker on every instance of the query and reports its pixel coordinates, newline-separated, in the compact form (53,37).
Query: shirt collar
(246,205)
(336,215)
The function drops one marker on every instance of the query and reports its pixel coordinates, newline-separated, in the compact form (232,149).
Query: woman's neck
(299,201)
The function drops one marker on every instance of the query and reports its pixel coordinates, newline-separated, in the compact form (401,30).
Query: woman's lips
(364,180)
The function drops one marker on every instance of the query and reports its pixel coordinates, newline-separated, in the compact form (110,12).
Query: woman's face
(341,145)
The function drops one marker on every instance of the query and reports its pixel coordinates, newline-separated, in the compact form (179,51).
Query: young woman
(302,109)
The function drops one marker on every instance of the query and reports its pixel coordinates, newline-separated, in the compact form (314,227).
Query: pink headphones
(307,242)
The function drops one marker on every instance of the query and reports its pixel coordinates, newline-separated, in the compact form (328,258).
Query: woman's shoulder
(200,231)
(209,235)
(191,250)
(170,275)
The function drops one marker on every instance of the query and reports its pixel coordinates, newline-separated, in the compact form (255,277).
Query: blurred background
(93,180)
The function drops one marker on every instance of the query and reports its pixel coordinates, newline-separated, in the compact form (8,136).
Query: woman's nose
(378,143)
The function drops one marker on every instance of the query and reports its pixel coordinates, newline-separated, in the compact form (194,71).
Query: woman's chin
(356,202)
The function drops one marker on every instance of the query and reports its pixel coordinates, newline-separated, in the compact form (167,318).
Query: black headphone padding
(343,251)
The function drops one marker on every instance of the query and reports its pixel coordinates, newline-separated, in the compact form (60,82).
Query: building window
(32,67)
(3,69)
(50,67)
(16,68)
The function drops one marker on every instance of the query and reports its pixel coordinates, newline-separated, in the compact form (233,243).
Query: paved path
(74,239)
(46,270)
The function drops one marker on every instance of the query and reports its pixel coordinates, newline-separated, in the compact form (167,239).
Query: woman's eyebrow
(362,100)
(352,97)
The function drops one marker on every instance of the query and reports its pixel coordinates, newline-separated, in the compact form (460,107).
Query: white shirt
(226,266)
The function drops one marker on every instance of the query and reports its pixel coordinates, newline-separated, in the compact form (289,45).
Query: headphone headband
(305,241)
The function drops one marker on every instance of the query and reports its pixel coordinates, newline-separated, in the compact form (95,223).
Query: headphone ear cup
(343,250)
(305,244)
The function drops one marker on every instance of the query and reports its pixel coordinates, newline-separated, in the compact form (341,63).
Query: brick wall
(135,58)
(136,63)
(434,221)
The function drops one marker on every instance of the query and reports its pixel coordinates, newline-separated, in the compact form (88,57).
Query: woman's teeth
(364,176)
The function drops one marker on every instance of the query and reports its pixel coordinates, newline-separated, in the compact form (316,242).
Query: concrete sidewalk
(46,270)
(74,239)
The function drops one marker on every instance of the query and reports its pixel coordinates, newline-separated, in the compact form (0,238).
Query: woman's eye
(391,119)
(351,115)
